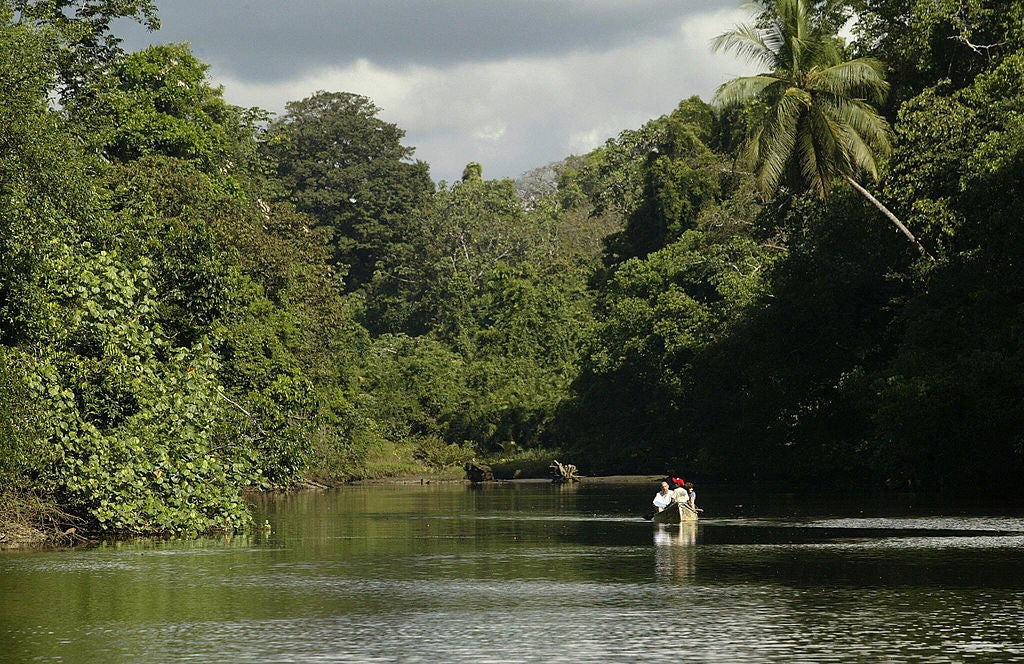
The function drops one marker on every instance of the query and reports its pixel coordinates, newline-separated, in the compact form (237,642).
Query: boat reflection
(675,551)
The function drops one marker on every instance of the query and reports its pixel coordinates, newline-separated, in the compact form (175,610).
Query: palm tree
(819,123)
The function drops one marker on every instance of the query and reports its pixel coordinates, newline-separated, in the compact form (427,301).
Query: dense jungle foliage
(198,299)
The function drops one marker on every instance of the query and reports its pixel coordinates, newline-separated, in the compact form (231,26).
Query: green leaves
(190,306)
(659,317)
(122,295)
(119,403)
(346,168)
(158,102)
(816,110)
(78,32)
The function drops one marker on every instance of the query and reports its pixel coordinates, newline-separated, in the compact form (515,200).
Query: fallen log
(564,472)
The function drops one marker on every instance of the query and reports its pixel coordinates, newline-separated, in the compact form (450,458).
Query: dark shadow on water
(795,534)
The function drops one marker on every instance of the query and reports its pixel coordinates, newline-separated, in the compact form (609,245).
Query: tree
(927,41)
(38,182)
(657,316)
(157,319)
(949,397)
(448,251)
(158,101)
(679,175)
(819,124)
(81,42)
(347,168)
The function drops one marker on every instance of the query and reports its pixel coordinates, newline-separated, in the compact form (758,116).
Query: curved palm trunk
(892,217)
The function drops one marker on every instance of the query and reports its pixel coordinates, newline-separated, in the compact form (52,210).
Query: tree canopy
(198,299)
(341,164)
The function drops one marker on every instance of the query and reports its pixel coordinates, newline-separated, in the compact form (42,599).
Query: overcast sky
(512,84)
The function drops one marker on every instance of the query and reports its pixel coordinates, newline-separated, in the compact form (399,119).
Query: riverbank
(14,534)
(28,520)
(602,479)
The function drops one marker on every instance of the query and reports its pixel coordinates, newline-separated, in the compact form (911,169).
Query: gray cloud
(514,84)
(270,40)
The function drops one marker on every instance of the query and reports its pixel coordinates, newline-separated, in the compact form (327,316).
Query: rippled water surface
(535,572)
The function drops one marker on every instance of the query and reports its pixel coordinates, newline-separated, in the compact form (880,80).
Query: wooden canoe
(675,513)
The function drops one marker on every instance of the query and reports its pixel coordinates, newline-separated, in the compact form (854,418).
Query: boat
(675,513)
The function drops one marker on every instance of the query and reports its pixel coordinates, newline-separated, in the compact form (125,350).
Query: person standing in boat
(663,498)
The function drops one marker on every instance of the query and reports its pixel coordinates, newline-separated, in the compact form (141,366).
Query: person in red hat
(679,493)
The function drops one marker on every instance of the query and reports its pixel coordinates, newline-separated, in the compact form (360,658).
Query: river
(537,572)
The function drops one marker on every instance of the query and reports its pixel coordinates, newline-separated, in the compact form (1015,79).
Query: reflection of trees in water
(675,551)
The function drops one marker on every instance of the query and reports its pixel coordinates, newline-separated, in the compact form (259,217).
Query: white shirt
(661,500)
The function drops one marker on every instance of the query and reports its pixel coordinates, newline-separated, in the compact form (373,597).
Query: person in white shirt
(663,498)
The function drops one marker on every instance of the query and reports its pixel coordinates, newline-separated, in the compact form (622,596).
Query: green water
(536,572)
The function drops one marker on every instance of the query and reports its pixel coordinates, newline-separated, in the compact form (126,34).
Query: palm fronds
(818,117)
(808,88)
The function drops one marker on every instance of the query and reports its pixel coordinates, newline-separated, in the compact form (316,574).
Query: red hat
(678,481)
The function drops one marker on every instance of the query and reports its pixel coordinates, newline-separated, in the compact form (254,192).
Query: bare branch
(980,49)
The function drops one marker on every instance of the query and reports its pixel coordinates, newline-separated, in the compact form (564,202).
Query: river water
(537,572)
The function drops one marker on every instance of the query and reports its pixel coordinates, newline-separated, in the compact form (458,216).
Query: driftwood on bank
(564,472)
(27,520)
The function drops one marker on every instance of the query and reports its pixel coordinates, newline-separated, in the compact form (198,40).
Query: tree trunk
(892,217)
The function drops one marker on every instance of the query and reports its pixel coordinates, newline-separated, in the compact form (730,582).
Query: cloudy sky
(512,84)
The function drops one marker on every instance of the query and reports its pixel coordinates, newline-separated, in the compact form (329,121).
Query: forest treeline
(197,299)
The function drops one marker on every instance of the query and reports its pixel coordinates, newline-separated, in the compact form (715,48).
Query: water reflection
(527,572)
(675,551)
